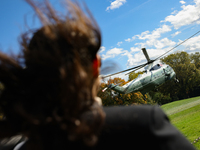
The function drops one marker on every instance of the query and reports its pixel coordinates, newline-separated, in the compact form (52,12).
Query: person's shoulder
(128,124)
(133,108)
(139,115)
(134,123)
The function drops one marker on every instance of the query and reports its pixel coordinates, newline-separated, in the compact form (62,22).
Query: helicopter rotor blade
(140,66)
(136,69)
(178,45)
(146,54)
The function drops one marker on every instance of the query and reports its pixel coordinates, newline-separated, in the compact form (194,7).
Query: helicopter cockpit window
(155,67)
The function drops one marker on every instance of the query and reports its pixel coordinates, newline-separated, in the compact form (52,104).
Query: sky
(126,27)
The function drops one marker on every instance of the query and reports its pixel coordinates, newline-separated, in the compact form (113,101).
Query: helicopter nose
(173,75)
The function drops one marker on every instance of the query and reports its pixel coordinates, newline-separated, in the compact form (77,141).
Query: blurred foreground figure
(49,97)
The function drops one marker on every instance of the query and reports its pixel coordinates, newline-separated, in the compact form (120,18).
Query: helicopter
(155,74)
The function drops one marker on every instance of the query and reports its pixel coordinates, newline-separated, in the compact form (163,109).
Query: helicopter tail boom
(117,88)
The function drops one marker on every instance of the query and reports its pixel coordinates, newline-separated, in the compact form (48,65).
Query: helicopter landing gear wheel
(176,80)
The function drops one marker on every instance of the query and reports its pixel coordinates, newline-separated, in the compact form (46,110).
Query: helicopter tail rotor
(110,86)
(104,89)
(176,80)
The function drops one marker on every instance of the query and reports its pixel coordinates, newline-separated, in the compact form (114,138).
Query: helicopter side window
(155,67)
(152,69)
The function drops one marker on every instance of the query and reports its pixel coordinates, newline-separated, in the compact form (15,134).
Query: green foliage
(149,99)
(195,59)
(160,98)
(186,72)
(134,75)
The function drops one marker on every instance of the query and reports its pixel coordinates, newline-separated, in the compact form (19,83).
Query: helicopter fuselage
(151,79)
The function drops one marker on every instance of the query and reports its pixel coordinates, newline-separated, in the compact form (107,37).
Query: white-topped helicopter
(153,76)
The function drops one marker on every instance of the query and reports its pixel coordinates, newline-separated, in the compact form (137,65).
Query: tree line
(187,69)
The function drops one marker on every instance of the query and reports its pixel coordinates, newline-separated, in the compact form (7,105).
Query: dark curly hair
(49,91)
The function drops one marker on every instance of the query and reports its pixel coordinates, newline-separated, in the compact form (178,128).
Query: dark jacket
(134,127)
(140,127)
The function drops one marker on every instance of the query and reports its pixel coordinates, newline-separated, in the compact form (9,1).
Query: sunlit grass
(185,115)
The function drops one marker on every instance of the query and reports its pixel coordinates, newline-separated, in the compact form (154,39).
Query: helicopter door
(143,81)
(166,72)
(146,81)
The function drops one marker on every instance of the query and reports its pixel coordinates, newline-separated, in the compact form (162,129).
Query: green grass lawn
(185,115)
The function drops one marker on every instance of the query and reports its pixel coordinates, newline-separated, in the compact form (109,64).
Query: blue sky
(126,26)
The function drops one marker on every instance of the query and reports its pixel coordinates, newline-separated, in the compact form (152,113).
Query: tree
(187,74)
(160,98)
(106,96)
(195,59)
(134,75)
